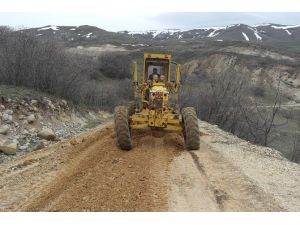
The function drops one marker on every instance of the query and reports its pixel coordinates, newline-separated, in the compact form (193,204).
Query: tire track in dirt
(103,178)
(23,179)
(214,184)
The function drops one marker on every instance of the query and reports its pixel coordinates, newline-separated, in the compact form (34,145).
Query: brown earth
(92,174)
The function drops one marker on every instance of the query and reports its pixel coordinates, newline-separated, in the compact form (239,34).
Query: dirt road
(157,175)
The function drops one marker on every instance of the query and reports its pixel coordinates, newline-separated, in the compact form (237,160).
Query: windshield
(156,67)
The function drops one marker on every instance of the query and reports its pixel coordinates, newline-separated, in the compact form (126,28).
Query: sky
(140,15)
(158,21)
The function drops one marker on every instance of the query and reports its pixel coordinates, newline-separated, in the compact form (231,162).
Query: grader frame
(155,104)
(165,117)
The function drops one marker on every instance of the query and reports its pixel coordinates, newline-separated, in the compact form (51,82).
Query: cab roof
(157,56)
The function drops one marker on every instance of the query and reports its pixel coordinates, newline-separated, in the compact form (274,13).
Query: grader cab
(155,103)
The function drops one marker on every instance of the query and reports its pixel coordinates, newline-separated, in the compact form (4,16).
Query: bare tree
(260,119)
(44,65)
(115,65)
(224,99)
(217,98)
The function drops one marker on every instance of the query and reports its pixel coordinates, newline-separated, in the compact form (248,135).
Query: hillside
(263,69)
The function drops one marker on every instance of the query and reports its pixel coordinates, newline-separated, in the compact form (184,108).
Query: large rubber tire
(191,131)
(131,108)
(122,128)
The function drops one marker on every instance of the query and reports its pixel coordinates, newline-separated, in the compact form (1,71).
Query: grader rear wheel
(122,128)
(191,129)
(131,108)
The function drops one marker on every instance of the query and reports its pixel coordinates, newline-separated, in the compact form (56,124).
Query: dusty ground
(214,184)
(91,176)
(157,175)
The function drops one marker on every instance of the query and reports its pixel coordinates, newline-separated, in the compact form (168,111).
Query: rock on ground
(73,141)
(31,118)
(4,129)
(7,118)
(38,145)
(9,149)
(47,133)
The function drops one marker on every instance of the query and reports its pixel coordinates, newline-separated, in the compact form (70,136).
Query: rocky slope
(29,121)
(256,63)
(266,69)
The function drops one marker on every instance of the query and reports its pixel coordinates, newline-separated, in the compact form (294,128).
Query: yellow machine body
(152,97)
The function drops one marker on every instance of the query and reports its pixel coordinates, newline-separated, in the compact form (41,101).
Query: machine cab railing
(160,65)
(156,64)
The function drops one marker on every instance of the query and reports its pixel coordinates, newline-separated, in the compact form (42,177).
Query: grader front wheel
(191,131)
(122,128)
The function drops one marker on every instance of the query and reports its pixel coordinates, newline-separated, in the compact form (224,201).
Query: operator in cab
(153,73)
(162,78)
(155,78)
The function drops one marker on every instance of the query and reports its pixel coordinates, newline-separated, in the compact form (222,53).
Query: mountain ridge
(236,32)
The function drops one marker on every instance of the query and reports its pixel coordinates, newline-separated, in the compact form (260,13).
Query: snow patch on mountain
(51,27)
(155,33)
(258,37)
(284,27)
(261,25)
(217,28)
(213,33)
(245,36)
(88,35)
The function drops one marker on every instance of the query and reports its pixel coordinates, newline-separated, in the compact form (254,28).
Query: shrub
(44,65)
(115,65)
(258,91)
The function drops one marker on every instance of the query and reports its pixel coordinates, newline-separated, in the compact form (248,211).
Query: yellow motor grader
(155,103)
